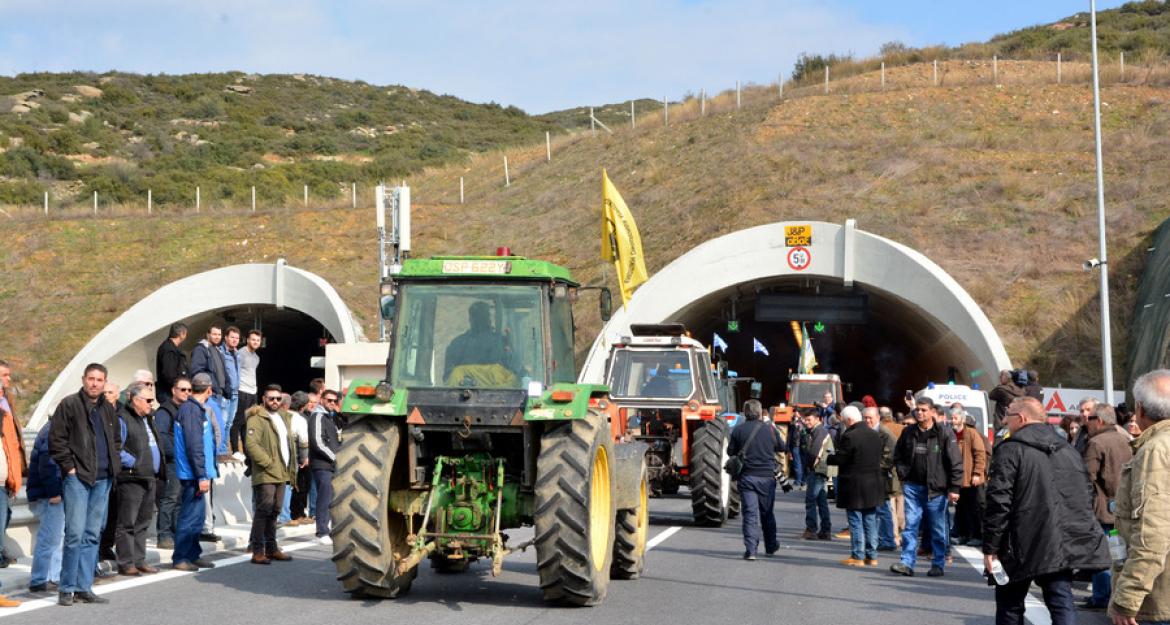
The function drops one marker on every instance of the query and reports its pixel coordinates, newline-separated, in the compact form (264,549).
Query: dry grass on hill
(993,183)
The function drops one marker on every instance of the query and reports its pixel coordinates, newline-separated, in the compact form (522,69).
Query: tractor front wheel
(574,514)
(369,539)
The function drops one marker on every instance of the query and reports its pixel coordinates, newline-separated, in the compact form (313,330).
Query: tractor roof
(484,267)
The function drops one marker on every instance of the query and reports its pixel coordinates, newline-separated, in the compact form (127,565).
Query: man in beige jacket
(1141,581)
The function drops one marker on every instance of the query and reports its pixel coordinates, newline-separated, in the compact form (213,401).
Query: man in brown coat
(969,510)
(1141,584)
(1105,453)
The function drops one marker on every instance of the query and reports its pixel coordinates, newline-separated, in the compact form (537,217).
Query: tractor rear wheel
(369,539)
(710,484)
(632,527)
(574,514)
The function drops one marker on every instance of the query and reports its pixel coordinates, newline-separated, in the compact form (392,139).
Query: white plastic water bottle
(1117,547)
(998,574)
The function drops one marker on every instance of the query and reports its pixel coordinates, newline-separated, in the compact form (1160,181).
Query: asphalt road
(693,576)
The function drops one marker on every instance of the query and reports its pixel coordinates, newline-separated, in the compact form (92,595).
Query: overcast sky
(538,55)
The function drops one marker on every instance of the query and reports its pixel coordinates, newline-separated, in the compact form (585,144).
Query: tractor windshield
(807,393)
(657,374)
(468,335)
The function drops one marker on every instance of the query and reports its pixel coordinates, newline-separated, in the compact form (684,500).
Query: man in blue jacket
(44,498)
(195,468)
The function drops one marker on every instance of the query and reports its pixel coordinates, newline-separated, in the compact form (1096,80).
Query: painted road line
(105,589)
(1034,609)
(662,536)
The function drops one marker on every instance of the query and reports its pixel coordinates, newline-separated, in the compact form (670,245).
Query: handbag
(735,464)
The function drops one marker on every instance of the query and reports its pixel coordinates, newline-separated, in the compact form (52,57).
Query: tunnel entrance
(892,319)
(291,339)
(880,348)
(295,309)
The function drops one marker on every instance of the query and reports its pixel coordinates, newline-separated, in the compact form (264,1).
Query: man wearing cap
(195,468)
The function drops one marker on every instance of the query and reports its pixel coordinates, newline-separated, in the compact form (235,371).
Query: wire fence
(850,78)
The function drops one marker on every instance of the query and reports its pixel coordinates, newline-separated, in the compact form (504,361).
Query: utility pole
(1106,339)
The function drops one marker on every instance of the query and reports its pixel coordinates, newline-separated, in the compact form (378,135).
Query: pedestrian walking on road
(758,442)
(859,461)
(1106,451)
(928,464)
(85,441)
(1039,522)
(272,451)
(1003,395)
(1141,579)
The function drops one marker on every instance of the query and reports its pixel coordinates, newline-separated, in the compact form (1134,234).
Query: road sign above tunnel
(799,258)
(799,235)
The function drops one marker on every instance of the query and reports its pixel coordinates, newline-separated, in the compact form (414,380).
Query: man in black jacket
(170,363)
(136,481)
(168,489)
(85,442)
(930,467)
(760,442)
(323,445)
(1039,521)
(859,459)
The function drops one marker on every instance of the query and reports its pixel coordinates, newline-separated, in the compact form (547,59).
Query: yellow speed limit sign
(798,236)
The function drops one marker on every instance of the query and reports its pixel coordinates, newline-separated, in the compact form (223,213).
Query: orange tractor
(663,384)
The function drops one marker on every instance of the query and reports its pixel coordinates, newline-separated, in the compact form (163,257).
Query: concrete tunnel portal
(298,313)
(891,319)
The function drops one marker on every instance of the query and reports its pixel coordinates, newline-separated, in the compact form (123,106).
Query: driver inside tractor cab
(479,356)
(666,380)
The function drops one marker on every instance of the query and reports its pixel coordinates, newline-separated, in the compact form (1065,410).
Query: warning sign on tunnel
(799,258)
(798,236)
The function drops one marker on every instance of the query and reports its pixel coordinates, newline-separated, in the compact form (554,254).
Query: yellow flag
(620,243)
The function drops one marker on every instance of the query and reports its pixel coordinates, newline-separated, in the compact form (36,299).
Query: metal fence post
(353,195)
(507,178)
(826,80)
(995,70)
(547,146)
(95,202)
(197,199)
(737,95)
(149,202)
(46,203)
(1058,68)
(665,111)
(460,189)
(883,74)
(253,198)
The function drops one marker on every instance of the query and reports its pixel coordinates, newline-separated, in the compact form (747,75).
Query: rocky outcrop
(87,91)
(240,89)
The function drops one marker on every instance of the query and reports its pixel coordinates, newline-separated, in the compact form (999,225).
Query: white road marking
(1034,609)
(662,536)
(105,589)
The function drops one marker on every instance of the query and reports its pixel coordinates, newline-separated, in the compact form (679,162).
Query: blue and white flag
(719,343)
(757,346)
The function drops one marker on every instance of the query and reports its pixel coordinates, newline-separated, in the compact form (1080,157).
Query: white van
(974,401)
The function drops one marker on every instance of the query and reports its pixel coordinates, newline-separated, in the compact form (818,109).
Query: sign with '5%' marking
(798,236)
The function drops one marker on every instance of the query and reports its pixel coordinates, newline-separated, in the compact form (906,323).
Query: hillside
(121,134)
(993,183)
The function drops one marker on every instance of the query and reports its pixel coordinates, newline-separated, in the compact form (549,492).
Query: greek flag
(719,343)
(757,346)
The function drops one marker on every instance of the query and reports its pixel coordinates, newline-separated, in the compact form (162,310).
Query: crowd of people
(111,463)
(1046,502)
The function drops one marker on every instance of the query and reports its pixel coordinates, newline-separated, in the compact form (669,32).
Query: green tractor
(480,426)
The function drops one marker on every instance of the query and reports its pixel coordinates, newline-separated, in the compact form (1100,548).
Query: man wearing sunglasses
(323,445)
(169,489)
(272,450)
(1039,521)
